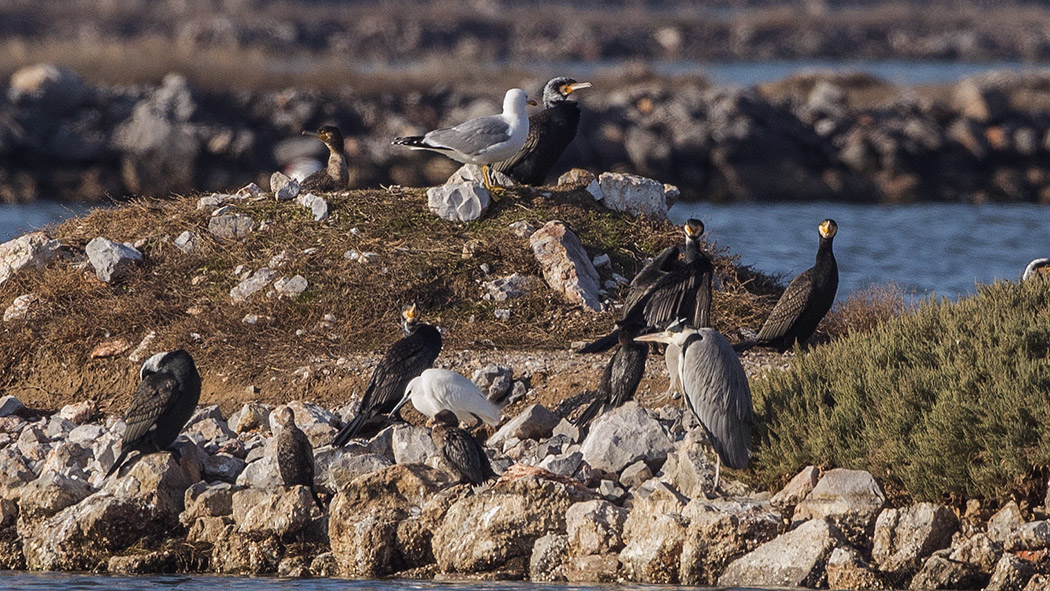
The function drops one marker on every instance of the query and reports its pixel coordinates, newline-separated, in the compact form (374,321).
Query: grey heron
(805,302)
(167,395)
(716,390)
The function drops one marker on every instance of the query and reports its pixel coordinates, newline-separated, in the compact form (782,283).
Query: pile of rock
(632,501)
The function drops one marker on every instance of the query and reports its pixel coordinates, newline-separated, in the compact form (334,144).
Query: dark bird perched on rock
(550,132)
(165,399)
(460,450)
(716,390)
(667,289)
(406,359)
(804,303)
(483,140)
(295,455)
(621,376)
(336,176)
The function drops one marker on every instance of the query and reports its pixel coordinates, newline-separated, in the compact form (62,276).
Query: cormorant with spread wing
(550,132)
(667,289)
(406,359)
(804,303)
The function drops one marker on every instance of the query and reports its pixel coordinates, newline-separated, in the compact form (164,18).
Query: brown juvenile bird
(295,455)
(460,450)
(336,176)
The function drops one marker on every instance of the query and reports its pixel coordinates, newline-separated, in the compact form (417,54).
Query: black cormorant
(621,376)
(406,359)
(667,289)
(804,303)
(460,450)
(484,140)
(295,455)
(550,132)
(336,176)
(165,399)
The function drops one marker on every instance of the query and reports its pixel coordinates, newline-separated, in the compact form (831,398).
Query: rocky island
(285,299)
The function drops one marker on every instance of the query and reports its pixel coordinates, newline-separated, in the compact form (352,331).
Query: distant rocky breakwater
(632,501)
(986,138)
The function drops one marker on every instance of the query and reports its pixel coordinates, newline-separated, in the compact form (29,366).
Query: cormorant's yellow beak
(410,312)
(313,134)
(571,88)
(531,102)
(828,229)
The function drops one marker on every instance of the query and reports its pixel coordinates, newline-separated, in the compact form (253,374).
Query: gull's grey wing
(471,137)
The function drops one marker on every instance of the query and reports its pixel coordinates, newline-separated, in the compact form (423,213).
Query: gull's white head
(514,102)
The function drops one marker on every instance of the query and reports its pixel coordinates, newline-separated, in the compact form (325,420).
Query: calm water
(49,581)
(941,249)
(16,220)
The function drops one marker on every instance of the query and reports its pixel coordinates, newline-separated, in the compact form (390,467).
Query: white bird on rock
(436,390)
(484,140)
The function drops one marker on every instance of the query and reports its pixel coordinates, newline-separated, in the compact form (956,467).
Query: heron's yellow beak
(654,337)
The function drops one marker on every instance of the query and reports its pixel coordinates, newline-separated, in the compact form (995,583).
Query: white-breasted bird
(435,390)
(483,140)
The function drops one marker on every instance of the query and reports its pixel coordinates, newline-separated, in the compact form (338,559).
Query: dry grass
(184,298)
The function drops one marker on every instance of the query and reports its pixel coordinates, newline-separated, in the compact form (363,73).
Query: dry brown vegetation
(184,298)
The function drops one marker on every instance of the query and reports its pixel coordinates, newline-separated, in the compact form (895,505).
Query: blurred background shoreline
(734,101)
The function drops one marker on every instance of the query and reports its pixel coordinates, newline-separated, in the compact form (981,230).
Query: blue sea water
(926,249)
(17,219)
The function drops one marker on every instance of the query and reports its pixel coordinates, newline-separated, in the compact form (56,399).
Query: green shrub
(952,400)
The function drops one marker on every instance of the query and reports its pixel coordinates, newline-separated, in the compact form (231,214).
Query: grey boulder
(112,261)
